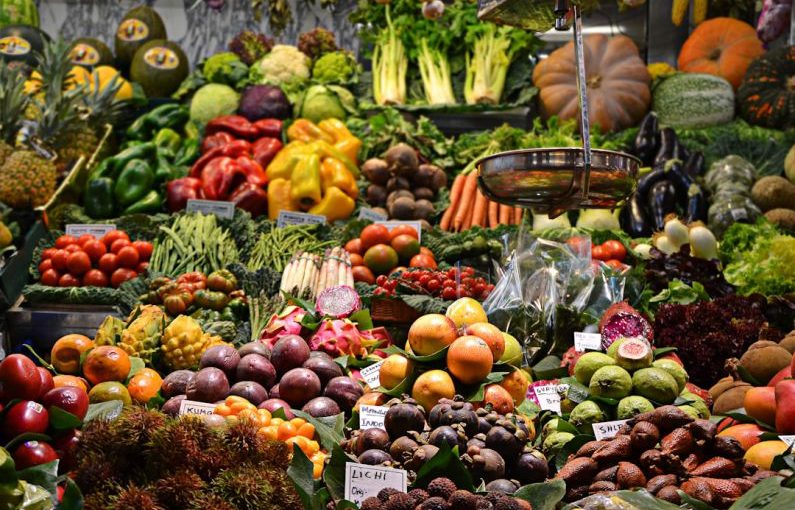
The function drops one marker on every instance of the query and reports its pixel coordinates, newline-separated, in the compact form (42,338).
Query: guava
(550,427)
(589,363)
(613,349)
(611,382)
(556,441)
(675,369)
(697,403)
(633,354)
(655,384)
(586,413)
(631,406)
(691,411)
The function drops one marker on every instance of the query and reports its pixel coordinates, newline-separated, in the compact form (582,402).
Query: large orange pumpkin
(723,47)
(618,82)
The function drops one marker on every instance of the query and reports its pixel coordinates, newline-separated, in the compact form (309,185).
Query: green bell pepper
(134,181)
(144,151)
(98,200)
(166,171)
(152,202)
(188,152)
(167,115)
(168,142)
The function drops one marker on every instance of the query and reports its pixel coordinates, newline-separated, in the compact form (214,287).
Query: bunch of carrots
(470,208)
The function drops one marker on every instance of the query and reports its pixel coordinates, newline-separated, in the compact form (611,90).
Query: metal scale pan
(554,180)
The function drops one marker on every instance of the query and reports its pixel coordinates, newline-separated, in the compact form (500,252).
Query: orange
(431,333)
(760,404)
(746,433)
(363,274)
(106,363)
(402,230)
(144,385)
(372,235)
(60,381)
(499,398)
(65,353)
(762,454)
(432,386)
(516,383)
(469,359)
(393,370)
(491,334)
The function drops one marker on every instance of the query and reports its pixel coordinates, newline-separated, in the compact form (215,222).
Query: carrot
(455,198)
(494,208)
(481,206)
(467,200)
(517,215)
(506,213)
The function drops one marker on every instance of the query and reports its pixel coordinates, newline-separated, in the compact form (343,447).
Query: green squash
(139,26)
(767,93)
(688,100)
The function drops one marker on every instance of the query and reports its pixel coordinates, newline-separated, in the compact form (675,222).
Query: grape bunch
(449,284)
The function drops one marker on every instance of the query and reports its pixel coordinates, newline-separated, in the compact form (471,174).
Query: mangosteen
(479,441)
(344,391)
(508,443)
(530,467)
(486,464)
(372,439)
(483,425)
(445,434)
(374,457)
(403,448)
(451,412)
(403,417)
(502,485)
(421,455)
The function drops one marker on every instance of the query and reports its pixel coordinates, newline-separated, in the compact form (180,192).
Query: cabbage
(211,101)
(321,102)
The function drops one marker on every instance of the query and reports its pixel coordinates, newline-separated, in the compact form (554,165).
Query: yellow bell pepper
(279,197)
(305,182)
(336,205)
(334,173)
(350,147)
(306,131)
(283,164)
(326,150)
(336,128)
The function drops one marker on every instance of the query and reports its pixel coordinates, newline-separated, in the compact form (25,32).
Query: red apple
(69,398)
(19,378)
(25,416)
(65,445)
(33,453)
(46,381)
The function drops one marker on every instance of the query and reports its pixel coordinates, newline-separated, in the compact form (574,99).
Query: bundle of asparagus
(307,275)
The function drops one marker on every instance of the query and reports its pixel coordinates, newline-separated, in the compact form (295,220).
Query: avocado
(139,26)
(89,53)
(159,66)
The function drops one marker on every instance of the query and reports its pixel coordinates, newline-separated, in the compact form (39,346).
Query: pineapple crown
(13,102)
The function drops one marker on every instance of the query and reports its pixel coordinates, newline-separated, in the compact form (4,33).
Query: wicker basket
(393,311)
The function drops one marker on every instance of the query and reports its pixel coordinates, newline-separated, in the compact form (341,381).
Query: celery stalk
(487,65)
(389,67)
(435,73)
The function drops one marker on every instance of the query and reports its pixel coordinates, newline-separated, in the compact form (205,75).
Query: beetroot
(338,302)
(625,324)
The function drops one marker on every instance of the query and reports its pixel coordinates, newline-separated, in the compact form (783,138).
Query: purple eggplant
(696,204)
(674,172)
(667,147)
(645,144)
(648,180)
(694,165)
(634,219)
(662,201)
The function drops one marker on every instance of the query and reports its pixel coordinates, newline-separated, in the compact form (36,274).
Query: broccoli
(335,67)
(226,68)
(250,46)
(317,42)
(284,66)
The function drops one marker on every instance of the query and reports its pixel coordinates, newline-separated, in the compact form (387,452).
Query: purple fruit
(299,386)
(249,390)
(325,368)
(272,404)
(344,391)
(289,352)
(176,383)
(274,392)
(171,407)
(319,407)
(253,367)
(254,348)
(209,385)
(223,357)
(625,324)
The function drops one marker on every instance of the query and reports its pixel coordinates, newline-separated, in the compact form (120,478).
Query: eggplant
(694,165)
(634,219)
(645,144)
(647,181)
(696,204)
(667,148)
(662,201)
(675,173)
(680,152)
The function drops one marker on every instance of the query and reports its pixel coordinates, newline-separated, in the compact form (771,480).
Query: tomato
(144,249)
(118,244)
(50,277)
(85,238)
(142,267)
(599,253)
(64,241)
(128,256)
(374,234)
(576,243)
(113,235)
(95,278)
(121,275)
(403,229)
(59,259)
(427,251)
(95,250)
(615,250)
(422,260)
(108,263)
(68,280)
(354,246)
(73,248)
(616,264)
(48,253)
(45,265)
(78,263)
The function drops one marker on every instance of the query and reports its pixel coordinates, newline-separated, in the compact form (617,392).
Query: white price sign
(587,341)
(219,208)
(363,481)
(549,397)
(298,218)
(197,408)
(416,225)
(370,375)
(372,417)
(365,213)
(97,230)
(607,429)
(790,440)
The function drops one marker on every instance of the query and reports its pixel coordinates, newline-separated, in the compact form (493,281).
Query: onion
(676,232)
(642,250)
(665,245)
(703,243)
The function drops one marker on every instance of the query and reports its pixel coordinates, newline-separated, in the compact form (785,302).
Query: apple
(69,398)
(65,445)
(46,381)
(19,378)
(33,453)
(25,416)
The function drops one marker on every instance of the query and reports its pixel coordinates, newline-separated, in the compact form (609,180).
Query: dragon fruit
(623,325)
(287,322)
(338,302)
(341,337)
(570,358)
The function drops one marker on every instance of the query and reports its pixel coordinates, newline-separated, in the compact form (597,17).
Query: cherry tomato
(68,280)
(118,244)
(113,235)
(615,250)
(78,263)
(108,263)
(50,277)
(434,285)
(64,241)
(59,259)
(615,264)
(128,256)
(73,248)
(85,238)
(95,250)
(48,253)
(95,278)
(144,249)
(449,293)
(121,275)
(142,267)
(599,253)
(45,265)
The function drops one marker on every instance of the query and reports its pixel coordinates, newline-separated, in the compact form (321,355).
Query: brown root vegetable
(423,193)
(402,160)
(396,183)
(423,209)
(376,171)
(629,475)
(376,195)
(578,471)
(404,208)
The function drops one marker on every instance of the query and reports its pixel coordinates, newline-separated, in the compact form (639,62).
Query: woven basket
(393,311)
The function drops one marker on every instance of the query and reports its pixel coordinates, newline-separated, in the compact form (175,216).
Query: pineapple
(13,102)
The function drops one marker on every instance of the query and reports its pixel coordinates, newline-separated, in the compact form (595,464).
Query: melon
(139,26)
(90,53)
(19,12)
(21,43)
(159,66)
(693,101)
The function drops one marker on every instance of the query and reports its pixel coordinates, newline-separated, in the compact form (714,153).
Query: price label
(416,225)
(298,218)
(372,417)
(587,341)
(365,213)
(363,481)
(607,429)
(370,375)
(549,397)
(219,208)
(790,440)
(95,229)
(197,408)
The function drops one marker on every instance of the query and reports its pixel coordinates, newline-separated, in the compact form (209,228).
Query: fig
(253,367)
(403,417)
(290,351)
(402,447)
(249,390)
(254,348)
(171,407)
(373,439)
(223,357)
(374,457)
(344,391)
(325,368)
(502,485)
(298,386)
(320,407)
(176,383)
(530,467)
(272,404)
(209,385)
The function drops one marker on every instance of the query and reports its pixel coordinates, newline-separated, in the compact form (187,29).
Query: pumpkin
(617,80)
(721,46)
(767,94)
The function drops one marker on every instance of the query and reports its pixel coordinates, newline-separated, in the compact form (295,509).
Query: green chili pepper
(134,182)
(152,202)
(98,199)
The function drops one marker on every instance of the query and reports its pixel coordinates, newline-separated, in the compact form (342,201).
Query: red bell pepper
(235,125)
(179,191)
(216,140)
(255,174)
(265,149)
(219,176)
(234,149)
(271,128)
(251,198)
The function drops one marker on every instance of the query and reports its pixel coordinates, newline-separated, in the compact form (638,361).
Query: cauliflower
(284,66)
(335,67)
(226,68)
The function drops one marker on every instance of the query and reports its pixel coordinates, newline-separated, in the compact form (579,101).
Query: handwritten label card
(219,208)
(365,213)
(790,440)
(416,225)
(587,341)
(363,481)
(197,408)
(370,375)
(607,429)
(548,396)
(97,230)
(298,218)
(372,417)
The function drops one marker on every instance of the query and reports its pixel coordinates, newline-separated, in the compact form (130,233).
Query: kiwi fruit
(765,361)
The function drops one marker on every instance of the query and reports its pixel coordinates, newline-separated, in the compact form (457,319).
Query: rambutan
(250,488)
(209,500)
(133,497)
(178,489)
